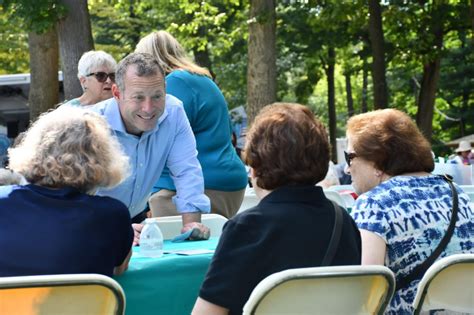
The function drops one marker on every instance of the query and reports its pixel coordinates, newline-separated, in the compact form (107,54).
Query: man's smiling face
(142,102)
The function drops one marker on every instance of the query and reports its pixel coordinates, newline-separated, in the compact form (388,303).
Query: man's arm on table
(186,173)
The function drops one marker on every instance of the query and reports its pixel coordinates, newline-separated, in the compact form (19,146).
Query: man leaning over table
(153,130)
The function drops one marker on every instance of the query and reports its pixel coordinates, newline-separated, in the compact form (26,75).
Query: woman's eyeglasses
(102,76)
(349,157)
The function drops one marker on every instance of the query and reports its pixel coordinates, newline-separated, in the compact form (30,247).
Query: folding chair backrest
(447,284)
(250,200)
(61,294)
(336,197)
(469,190)
(323,290)
(171,226)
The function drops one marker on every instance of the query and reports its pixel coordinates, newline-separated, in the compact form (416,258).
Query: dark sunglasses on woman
(102,76)
(349,157)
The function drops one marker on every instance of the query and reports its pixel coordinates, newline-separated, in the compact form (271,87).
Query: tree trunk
(75,38)
(426,100)
(202,57)
(431,72)
(44,86)
(349,99)
(378,51)
(261,69)
(365,84)
(472,16)
(332,101)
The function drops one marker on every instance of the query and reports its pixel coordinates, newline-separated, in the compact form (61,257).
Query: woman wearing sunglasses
(404,211)
(96,72)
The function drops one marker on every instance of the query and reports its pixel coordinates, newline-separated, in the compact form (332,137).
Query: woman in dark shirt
(54,224)
(288,151)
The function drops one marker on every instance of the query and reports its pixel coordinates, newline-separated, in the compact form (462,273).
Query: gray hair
(95,59)
(70,147)
(145,65)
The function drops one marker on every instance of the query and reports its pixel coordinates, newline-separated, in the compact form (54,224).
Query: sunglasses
(102,76)
(349,157)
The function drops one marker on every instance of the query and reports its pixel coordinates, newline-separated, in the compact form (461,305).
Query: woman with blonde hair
(403,211)
(225,177)
(54,224)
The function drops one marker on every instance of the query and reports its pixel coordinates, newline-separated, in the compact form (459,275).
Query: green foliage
(305,29)
(14,55)
(36,15)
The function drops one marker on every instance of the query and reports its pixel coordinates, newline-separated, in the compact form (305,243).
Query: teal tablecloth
(166,285)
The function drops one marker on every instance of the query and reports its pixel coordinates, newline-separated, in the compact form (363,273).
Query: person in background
(153,130)
(225,177)
(402,211)
(463,154)
(54,224)
(96,72)
(287,149)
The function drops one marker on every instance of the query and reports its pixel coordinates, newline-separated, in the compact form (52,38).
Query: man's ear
(115,91)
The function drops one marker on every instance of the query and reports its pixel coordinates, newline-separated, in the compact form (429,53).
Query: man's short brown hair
(287,145)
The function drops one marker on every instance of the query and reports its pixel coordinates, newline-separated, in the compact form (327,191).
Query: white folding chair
(250,200)
(171,226)
(323,290)
(448,284)
(469,190)
(341,187)
(61,294)
(345,201)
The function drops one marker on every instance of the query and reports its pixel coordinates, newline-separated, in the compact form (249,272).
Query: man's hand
(192,220)
(201,232)
(137,229)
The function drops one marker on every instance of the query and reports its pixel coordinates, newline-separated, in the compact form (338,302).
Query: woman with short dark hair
(54,224)
(403,211)
(287,149)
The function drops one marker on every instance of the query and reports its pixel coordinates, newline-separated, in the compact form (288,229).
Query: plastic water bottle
(151,239)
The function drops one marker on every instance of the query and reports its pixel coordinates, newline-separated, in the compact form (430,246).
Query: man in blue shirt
(153,130)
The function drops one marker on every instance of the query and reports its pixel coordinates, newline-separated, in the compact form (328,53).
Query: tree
(75,38)
(38,18)
(261,71)
(329,69)
(378,51)
(44,55)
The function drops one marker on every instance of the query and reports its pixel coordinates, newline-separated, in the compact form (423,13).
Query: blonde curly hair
(70,147)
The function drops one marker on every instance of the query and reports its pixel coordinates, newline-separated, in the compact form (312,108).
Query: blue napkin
(184,236)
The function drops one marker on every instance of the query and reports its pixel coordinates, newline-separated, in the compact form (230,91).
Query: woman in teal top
(225,177)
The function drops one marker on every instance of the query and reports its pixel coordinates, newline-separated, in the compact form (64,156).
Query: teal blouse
(206,109)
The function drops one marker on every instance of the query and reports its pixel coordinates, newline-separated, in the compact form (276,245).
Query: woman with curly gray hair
(54,224)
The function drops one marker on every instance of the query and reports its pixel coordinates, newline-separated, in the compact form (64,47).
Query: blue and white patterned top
(412,214)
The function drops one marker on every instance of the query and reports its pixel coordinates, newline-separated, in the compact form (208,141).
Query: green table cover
(166,285)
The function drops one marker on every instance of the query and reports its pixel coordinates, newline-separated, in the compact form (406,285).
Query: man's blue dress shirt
(170,143)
